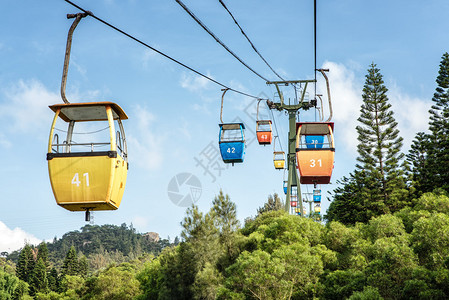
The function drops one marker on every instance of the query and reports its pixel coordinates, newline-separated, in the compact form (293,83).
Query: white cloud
(194,83)
(346,101)
(202,108)
(26,106)
(412,114)
(140,222)
(79,68)
(147,56)
(4,142)
(146,145)
(11,240)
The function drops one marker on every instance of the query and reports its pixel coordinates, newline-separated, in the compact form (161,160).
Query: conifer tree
(273,203)
(70,265)
(25,263)
(225,214)
(83,266)
(38,278)
(417,158)
(53,280)
(43,253)
(429,155)
(377,186)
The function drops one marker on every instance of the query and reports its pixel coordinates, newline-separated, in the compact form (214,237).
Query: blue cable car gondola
(231,141)
(316,196)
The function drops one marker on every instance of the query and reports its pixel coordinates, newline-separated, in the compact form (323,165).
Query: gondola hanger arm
(322,71)
(78,18)
(222,97)
(257,113)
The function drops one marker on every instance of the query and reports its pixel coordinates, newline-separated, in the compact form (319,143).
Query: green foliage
(53,280)
(83,266)
(275,256)
(284,258)
(151,278)
(368,293)
(7,266)
(356,199)
(71,285)
(208,282)
(116,282)
(8,285)
(341,284)
(430,240)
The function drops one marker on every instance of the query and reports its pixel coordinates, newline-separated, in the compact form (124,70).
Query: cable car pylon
(292,109)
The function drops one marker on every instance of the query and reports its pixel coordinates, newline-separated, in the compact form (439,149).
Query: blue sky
(174,114)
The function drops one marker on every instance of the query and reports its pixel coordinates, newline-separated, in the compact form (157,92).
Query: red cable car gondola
(264,130)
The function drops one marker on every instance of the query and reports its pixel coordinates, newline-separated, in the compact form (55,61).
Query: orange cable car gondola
(315,157)
(264,129)
(264,132)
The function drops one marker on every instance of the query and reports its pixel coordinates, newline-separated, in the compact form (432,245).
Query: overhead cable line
(252,45)
(159,52)
(314,38)
(217,39)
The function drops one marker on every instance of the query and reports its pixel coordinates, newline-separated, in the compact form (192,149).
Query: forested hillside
(106,240)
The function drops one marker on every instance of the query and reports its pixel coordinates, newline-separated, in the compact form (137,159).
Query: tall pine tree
(25,264)
(377,186)
(273,203)
(43,253)
(429,155)
(70,265)
(38,278)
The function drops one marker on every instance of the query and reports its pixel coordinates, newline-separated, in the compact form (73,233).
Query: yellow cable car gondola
(315,151)
(88,180)
(91,174)
(278,157)
(279,160)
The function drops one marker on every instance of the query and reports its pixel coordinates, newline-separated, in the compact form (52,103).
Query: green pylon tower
(292,110)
